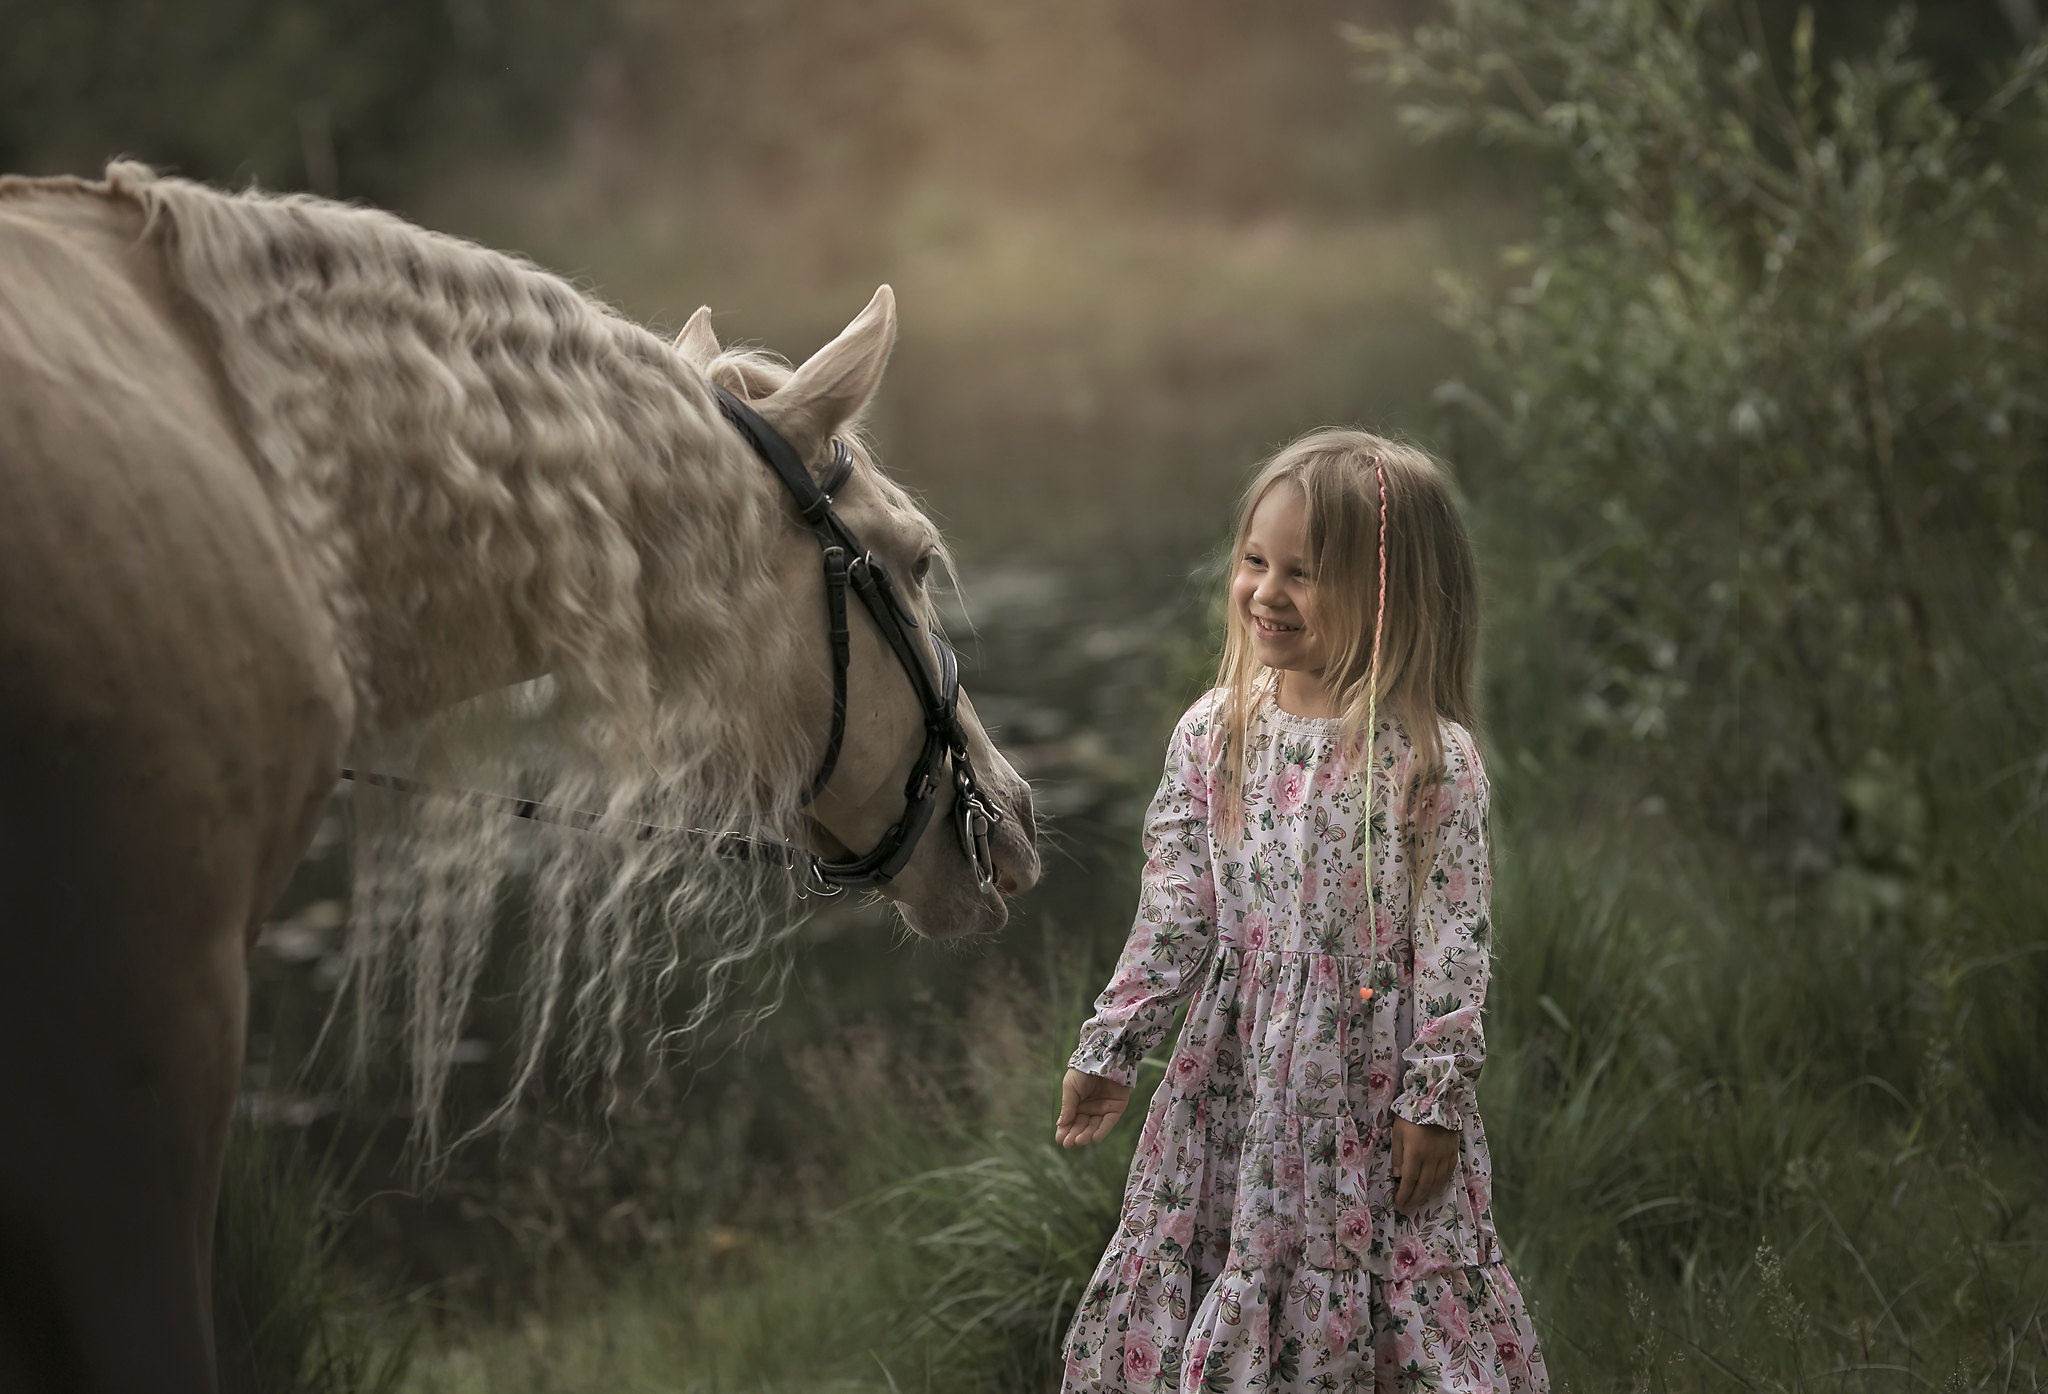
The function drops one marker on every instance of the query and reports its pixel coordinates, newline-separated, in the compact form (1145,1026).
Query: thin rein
(736,845)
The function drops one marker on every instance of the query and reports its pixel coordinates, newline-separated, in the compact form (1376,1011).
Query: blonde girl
(1310,1204)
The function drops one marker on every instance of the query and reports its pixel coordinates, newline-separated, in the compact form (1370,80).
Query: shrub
(1763,419)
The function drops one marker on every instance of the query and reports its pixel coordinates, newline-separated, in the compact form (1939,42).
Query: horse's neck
(529,502)
(493,477)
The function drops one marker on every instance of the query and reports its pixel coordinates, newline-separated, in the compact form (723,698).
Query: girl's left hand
(1089,1108)
(1424,1158)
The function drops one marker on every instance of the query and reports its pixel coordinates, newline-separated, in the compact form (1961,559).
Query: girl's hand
(1424,1158)
(1089,1108)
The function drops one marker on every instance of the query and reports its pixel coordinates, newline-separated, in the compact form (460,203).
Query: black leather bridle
(848,565)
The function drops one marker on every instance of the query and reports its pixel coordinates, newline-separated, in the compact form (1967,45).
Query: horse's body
(222,568)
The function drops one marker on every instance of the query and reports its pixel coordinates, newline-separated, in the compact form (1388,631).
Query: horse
(289,486)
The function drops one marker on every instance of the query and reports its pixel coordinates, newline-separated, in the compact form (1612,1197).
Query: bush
(1763,420)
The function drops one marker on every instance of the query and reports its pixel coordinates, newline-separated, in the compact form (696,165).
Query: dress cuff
(1435,1091)
(1108,1052)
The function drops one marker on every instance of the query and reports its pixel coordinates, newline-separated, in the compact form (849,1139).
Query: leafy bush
(1763,420)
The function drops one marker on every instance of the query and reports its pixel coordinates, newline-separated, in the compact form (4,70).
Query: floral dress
(1259,1247)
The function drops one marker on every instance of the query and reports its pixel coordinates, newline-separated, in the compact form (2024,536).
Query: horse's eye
(922,569)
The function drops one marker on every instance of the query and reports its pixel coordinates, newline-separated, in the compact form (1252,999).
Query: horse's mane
(436,422)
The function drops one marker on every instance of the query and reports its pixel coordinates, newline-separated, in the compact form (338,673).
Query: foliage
(1002,1243)
(343,98)
(1754,455)
(286,1315)
(1766,410)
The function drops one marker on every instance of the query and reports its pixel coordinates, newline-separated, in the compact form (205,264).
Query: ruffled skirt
(1278,1330)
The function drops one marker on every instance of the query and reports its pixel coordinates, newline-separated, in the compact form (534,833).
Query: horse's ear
(697,344)
(836,382)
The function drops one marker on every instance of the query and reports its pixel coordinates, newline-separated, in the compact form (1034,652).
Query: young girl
(1309,1205)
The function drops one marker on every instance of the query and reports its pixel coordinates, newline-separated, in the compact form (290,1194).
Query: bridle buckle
(976,819)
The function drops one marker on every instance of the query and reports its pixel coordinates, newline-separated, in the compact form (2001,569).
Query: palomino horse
(284,483)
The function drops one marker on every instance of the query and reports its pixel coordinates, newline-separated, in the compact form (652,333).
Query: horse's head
(939,889)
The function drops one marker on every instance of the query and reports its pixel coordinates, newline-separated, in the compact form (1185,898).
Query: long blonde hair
(1420,672)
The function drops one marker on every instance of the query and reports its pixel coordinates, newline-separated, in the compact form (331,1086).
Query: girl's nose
(1270,594)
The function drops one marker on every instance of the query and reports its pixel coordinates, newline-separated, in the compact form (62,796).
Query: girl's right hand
(1089,1108)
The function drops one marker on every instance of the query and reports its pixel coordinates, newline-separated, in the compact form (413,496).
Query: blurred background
(1729,317)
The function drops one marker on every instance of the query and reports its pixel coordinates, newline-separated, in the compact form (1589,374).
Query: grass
(288,1317)
(786,1316)
(1697,1189)
(959,1241)
(1701,1196)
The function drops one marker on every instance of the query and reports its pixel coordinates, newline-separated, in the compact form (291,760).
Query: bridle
(848,566)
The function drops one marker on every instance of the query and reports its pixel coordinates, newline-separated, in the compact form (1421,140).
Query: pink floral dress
(1259,1248)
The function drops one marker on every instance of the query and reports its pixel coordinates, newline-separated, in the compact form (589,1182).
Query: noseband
(848,565)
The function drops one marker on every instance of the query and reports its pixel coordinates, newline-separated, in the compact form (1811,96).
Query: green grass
(787,1315)
(1698,1189)
(288,1317)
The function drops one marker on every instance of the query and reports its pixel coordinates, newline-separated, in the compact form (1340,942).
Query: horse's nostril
(1015,878)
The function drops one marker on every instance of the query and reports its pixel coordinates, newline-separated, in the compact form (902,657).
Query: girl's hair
(1420,673)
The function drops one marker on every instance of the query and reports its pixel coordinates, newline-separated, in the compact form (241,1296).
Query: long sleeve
(1452,935)
(1176,922)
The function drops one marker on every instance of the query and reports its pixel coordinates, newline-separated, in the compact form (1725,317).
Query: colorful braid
(1372,694)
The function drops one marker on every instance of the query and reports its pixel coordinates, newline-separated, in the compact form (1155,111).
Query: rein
(848,566)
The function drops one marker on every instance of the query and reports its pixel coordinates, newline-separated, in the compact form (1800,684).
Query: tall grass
(288,1316)
(1726,1159)
(1701,1191)
(1000,1239)
(940,1246)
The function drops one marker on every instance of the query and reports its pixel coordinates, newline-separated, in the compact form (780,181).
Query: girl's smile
(1272,588)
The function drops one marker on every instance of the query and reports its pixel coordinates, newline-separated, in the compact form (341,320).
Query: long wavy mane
(452,434)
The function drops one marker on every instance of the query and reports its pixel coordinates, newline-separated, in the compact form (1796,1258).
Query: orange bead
(1365,994)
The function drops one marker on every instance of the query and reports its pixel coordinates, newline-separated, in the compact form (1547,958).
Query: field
(1728,323)
(1748,1135)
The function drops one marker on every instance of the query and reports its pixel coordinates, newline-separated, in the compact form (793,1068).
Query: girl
(1309,1207)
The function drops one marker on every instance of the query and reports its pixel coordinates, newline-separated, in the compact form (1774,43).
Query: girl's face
(1271,587)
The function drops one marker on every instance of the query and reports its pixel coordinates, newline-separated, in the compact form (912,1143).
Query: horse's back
(149,599)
